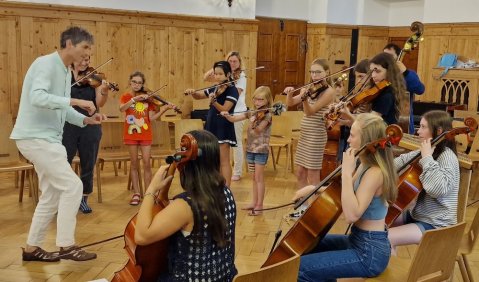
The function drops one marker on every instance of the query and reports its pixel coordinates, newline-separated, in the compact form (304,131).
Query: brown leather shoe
(76,254)
(39,255)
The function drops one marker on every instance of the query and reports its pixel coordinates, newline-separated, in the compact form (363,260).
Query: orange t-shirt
(137,120)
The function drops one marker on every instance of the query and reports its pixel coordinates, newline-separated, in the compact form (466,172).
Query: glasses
(137,82)
(258,99)
(315,71)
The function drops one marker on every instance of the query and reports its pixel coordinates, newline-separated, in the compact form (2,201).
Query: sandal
(135,199)
(84,207)
(39,255)
(76,254)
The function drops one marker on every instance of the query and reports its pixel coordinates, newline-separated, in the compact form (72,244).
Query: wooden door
(282,50)
(410,59)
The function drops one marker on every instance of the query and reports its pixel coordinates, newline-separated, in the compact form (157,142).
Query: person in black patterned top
(200,222)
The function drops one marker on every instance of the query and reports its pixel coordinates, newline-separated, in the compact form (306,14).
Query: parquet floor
(254,235)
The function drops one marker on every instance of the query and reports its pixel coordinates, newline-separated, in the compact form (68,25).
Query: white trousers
(61,191)
(238,154)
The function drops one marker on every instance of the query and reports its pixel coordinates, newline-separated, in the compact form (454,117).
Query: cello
(409,185)
(146,263)
(323,212)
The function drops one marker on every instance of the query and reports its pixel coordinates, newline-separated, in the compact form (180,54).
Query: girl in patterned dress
(137,131)
(257,148)
(200,222)
(222,98)
(313,135)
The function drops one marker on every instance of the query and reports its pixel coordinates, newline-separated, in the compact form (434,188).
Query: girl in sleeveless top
(364,195)
(200,221)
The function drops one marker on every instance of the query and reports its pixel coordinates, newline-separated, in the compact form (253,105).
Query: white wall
(244,9)
(443,11)
(403,13)
(343,12)
(283,9)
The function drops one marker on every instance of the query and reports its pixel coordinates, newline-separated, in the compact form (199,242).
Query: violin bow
(221,84)
(276,109)
(156,91)
(92,72)
(326,77)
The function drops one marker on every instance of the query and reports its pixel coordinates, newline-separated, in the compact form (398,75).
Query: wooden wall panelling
(171,49)
(9,65)
(371,41)
(461,39)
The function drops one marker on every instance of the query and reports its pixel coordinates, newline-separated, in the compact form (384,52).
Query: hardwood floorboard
(254,234)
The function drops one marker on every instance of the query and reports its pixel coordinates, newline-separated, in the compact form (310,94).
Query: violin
(93,78)
(146,263)
(260,115)
(315,89)
(409,185)
(156,99)
(323,212)
(354,101)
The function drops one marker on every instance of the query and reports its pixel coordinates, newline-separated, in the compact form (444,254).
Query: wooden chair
(433,260)
(295,118)
(10,159)
(185,125)
(464,185)
(469,240)
(161,145)
(285,271)
(281,137)
(111,150)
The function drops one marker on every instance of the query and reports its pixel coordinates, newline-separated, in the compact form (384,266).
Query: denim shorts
(423,226)
(257,158)
(360,254)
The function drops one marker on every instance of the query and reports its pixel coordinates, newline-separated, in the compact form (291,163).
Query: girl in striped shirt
(436,204)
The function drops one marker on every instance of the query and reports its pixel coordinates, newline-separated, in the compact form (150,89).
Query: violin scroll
(394,135)
(471,125)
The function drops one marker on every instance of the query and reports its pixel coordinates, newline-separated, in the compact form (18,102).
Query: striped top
(437,203)
(312,139)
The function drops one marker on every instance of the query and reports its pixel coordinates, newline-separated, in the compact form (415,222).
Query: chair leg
(35,186)
(33,190)
(277,154)
(20,193)
(287,161)
(468,268)
(17,178)
(125,167)
(99,164)
(272,156)
(291,158)
(462,268)
(115,168)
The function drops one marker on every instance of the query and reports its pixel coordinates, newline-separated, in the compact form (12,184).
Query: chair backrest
(186,125)
(279,98)
(281,127)
(8,148)
(434,260)
(161,135)
(464,185)
(295,118)
(284,271)
(461,139)
(112,135)
(472,234)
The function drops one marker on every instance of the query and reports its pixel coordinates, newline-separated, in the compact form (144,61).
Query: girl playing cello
(436,205)
(364,195)
(200,221)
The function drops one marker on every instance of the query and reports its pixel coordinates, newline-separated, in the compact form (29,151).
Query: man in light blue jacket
(45,105)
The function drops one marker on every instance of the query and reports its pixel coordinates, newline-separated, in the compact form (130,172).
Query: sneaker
(76,254)
(84,207)
(235,178)
(39,255)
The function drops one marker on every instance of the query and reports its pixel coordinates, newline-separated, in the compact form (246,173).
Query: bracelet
(149,194)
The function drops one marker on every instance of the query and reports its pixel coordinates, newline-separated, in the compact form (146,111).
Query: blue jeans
(360,254)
